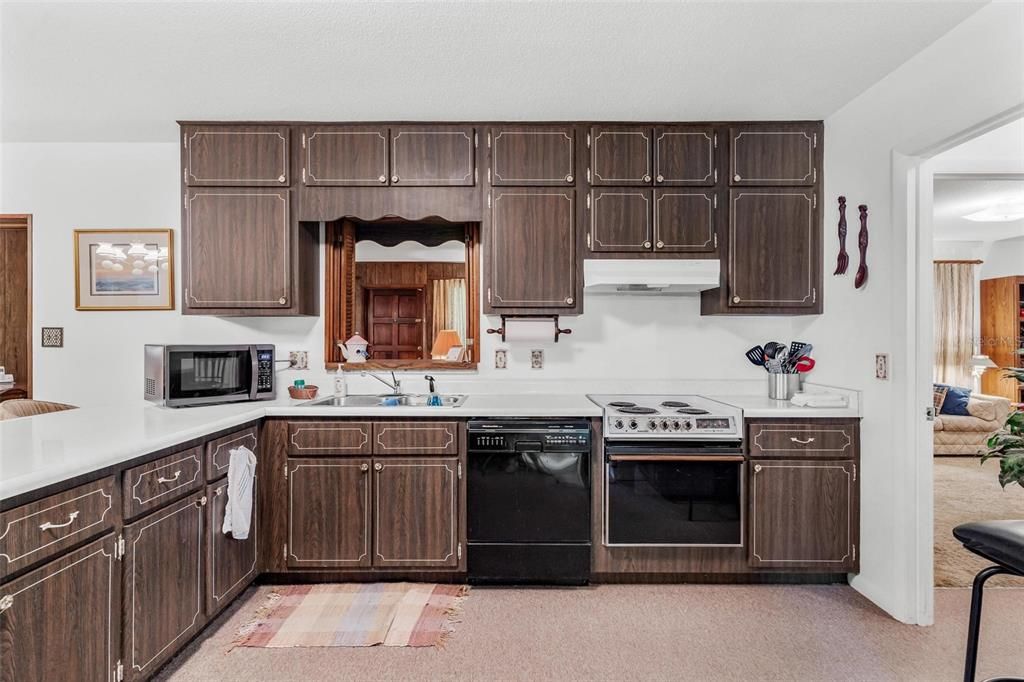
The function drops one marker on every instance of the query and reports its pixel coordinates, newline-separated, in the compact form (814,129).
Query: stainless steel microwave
(182,376)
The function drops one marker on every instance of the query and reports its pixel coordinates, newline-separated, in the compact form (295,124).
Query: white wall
(1004,258)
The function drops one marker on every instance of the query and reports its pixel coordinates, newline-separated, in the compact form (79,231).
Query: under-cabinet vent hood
(649,276)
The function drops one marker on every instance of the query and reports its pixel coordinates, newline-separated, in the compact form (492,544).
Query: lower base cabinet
(328,513)
(163,584)
(231,563)
(416,503)
(62,621)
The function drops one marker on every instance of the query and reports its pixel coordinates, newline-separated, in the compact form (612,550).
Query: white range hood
(642,276)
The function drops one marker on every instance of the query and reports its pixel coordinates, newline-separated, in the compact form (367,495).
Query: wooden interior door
(395,323)
(16,303)
(416,509)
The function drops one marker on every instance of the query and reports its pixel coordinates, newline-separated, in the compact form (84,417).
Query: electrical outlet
(298,359)
(536,359)
(500,358)
(881,365)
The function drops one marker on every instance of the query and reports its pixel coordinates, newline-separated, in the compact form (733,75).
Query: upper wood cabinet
(416,512)
(685,221)
(621,155)
(773,154)
(237,249)
(344,156)
(620,220)
(774,248)
(685,155)
(532,251)
(532,155)
(235,155)
(328,513)
(433,156)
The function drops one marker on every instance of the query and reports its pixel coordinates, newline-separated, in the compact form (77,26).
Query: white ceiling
(955,198)
(126,71)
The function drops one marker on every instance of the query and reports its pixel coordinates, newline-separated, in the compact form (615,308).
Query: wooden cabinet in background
(230,563)
(328,513)
(433,155)
(416,510)
(774,154)
(532,155)
(1002,333)
(685,221)
(685,155)
(235,155)
(345,156)
(621,155)
(620,220)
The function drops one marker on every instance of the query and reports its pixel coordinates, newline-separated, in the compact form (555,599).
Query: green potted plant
(1007,444)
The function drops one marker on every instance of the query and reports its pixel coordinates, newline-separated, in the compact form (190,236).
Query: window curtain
(450,306)
(954,322)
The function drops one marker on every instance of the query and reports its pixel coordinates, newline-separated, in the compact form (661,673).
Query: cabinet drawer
(407,438)
(218,451)
(155,484)
(329,438)
(43,528)
(837,441)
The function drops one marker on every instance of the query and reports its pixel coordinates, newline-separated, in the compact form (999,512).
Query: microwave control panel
(264,370)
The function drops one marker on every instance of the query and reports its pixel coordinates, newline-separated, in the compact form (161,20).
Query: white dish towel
(238,510)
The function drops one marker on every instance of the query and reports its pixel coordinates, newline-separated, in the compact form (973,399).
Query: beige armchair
(956,435)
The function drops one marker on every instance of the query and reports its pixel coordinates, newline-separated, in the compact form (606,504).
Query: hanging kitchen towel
(238,510)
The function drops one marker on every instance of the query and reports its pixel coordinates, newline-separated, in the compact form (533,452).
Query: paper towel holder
(504,318)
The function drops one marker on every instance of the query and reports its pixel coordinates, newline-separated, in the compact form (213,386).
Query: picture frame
(124,269)
(456,354)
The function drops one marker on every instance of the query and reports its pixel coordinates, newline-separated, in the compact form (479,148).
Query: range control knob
(652,425)
(633,424)
(675,424)
(619,424)
(687,425)
(664,425)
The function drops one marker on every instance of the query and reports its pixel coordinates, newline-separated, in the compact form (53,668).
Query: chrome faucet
(395,385)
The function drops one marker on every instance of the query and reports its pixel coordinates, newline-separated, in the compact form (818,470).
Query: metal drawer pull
(802,442)
(172,479)
(71,519)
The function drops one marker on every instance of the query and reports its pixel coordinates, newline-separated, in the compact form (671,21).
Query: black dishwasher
(528,501)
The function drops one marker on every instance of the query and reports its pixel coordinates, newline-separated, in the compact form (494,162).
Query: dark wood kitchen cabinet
(668,221)
(230,562)
(163,584)
(235,155)
(774,154)
(433,155)
(62,621)
(621,155)
(344,156)
(328,513)
(621,220)
(531,251)
(417,512)
(685,221)
(532,155)
(685,155)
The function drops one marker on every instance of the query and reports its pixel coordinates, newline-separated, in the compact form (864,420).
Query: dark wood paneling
(416,511)
(164,480)
(533,257)
(163,585)
(419,437)
(345,155)
(684,155)
(16,302)
(218,450)
(62,621)
(813,439)
(621,155)
(620,220)
(455,204)
(685,221)
(803,514)
(318,438)
(532,155)
(42,529)
(237,249)
(328,513)
(433,155)
(773,154)
(230,562)
(236,155)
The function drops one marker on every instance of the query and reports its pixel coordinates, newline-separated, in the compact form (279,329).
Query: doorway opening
(15,306)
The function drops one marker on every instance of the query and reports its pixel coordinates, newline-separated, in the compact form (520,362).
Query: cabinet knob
(281,178)
(647,178)
(394,178)
(282,300)
(757,468)
(661,244)
(378,466)
(569,300)
(568,178)
(647,245)
(383,178)
(364,467)
(661,178)
(735,299)
(737,177)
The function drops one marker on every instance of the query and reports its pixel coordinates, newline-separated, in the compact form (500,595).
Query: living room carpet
(965,491)
(354,615)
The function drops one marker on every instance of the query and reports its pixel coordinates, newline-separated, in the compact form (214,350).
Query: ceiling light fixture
(1000,213)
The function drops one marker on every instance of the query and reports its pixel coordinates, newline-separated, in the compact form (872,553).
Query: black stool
(1003,543)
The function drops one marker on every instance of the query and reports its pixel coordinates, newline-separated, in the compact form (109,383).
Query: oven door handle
(676,458)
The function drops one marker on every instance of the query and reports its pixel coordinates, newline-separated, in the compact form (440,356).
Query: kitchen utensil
(804,364)
(772,348)
(756,356)
(862,241)
(843,261)
(798,349)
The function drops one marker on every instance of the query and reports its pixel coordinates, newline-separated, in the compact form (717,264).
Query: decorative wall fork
(862,242)
(843,261)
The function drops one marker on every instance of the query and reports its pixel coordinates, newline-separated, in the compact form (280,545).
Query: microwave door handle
(254,376)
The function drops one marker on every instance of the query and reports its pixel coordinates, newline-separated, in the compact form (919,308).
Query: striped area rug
(390,614)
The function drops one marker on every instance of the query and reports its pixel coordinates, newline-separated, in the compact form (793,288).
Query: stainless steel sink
(403,400)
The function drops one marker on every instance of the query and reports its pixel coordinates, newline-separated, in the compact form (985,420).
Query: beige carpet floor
(708,633)
(968,491)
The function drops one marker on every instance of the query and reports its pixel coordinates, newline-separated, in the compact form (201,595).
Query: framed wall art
(124,269)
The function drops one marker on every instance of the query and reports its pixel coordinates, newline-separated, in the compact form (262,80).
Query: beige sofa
(955,435)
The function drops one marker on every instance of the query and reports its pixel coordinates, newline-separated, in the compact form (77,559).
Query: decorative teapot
(355,349)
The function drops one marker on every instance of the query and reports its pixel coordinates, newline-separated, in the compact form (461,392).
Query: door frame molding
(7,221)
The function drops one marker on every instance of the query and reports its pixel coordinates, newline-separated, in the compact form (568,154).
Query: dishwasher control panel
(528,436)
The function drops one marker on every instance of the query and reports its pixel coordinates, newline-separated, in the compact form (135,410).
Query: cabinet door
(345,156)
(328,512)
(532,156)
(778,154)
(620,155)
(163,584)
(803,514)
(237,249)
(684,155)
(433,155)
(620,220)
(533,248)
(684,221)
(235,156)
(774,254)
(230,563)
(416,510)
(61,621)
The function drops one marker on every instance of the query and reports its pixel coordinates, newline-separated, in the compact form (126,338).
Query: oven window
(674,503)
(207,374)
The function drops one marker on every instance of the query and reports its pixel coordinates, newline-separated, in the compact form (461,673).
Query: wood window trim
(23,221)
(339,304)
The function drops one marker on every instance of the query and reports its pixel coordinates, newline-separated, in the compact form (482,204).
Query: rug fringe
(453,616)
(258,615)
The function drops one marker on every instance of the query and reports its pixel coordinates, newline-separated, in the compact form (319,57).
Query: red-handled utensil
(804,364)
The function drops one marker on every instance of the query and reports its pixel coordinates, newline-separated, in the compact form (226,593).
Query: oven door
(199,375)
(673,498)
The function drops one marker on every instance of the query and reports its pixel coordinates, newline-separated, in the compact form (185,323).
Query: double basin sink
(390,400)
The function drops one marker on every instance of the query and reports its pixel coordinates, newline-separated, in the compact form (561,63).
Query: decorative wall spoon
(843,261)
(862,242)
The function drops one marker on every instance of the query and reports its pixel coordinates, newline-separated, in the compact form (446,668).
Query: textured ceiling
(955,198)
(126,71)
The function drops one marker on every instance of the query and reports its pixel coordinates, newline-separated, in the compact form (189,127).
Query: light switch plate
(881,365)
(299,359)
(500,358)
(536,359)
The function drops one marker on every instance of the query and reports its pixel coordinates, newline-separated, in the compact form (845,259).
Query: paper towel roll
(542,330)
